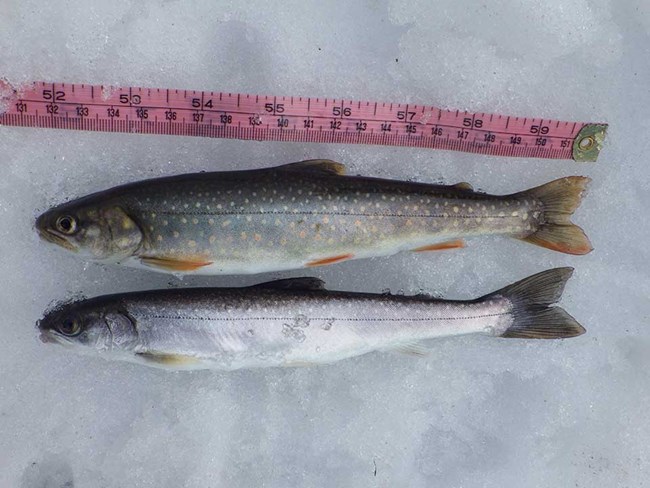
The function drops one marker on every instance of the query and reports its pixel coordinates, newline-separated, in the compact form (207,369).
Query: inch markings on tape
(293,119)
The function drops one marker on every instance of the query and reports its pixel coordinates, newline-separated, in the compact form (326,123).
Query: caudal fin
(559,199)
(534,317)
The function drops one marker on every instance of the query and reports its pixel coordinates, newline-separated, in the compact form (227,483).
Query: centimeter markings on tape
(295,119)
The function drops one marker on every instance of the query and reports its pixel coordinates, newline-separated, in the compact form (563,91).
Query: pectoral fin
(173,264)
(441,246)
(171,360)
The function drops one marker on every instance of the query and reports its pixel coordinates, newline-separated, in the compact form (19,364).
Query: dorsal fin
(463,185)
(306,283)
(324,166)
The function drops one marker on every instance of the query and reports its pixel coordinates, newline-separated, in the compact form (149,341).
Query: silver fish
(295,322)
(299,215)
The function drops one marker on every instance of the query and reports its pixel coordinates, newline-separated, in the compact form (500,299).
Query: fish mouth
(51,337)
(50,236)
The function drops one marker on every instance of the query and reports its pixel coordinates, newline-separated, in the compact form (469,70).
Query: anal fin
(441,246)
(299,364)
(412,349)
(173,264)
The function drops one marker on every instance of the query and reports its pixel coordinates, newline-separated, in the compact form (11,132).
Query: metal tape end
(589,142)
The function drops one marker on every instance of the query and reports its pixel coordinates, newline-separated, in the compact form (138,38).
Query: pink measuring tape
(293,119)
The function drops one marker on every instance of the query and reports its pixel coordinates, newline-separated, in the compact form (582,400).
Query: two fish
(298,215)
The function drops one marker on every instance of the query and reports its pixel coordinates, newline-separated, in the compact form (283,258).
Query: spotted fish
(295,322)
(299,215)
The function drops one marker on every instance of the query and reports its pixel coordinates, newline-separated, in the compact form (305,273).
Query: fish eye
(70,327)
(66,224)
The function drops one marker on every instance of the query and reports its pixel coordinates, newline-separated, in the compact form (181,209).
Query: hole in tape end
(586,143)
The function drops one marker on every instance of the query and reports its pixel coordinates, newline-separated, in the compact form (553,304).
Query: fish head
(103,232)
(89,326)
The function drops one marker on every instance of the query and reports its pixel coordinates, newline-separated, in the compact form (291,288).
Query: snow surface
(479,412)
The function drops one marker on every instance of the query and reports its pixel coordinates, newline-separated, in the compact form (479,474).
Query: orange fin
(441,246)
(171,264)
(331,260)
(559,199)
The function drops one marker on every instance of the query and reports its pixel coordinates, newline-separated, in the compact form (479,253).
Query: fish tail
(532,298)
(560,198)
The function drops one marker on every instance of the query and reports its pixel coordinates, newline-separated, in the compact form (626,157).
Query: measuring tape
(294,119)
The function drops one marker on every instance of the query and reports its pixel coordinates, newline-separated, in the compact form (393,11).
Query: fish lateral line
(340,214)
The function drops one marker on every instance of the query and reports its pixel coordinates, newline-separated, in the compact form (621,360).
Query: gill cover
(124,235)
